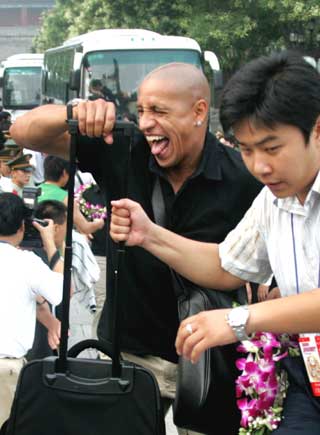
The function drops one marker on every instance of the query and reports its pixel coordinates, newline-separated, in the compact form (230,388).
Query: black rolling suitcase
(66,395)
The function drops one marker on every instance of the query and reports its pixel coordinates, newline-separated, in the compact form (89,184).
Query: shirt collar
(209,165)
(292,204)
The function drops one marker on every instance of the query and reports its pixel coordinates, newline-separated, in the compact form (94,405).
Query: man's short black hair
(4,115)
(54,167)
(12,213)
(51,209)
(95,82)
(282,88)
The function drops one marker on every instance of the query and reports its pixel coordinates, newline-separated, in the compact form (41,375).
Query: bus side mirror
(212,60)
(74,80)
(1,82)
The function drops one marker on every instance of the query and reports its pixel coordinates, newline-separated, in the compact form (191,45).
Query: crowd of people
(41,249)
(232,218)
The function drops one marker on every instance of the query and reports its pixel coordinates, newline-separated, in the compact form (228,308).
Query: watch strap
(69,111)
(241,334)
(239,329)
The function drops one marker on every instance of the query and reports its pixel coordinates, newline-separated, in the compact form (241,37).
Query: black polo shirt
(206,208)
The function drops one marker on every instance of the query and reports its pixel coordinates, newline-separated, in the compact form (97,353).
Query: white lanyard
(295,258)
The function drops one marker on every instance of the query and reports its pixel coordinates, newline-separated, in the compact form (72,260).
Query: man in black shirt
(206,190)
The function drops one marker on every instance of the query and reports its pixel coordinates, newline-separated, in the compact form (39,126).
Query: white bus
(21,81)
(113,62)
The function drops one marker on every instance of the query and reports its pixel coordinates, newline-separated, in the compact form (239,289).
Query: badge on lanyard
(309,342)
(310,349)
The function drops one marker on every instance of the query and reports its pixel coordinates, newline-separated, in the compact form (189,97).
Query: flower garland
(262,386)
(90,211)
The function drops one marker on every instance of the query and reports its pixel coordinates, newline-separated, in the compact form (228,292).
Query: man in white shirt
(36,161)
(24,278)
(272,107)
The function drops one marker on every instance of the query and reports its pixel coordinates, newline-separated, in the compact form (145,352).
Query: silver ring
(189,328)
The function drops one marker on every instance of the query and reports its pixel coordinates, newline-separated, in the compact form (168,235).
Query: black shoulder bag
(205,391)
(193,380)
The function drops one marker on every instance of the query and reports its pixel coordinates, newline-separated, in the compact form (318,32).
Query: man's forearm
(43,129)
(44,314)
(51,250)
(292,314)
(197,261)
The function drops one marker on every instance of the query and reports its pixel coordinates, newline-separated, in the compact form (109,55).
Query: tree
(239,30)
(236,30)
(66,19)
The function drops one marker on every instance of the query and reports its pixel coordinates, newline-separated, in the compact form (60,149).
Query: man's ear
(316,129)
(201,109)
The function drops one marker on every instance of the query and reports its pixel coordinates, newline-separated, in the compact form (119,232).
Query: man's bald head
(184,78)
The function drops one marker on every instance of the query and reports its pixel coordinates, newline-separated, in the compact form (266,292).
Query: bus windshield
(21,87)
(117,74)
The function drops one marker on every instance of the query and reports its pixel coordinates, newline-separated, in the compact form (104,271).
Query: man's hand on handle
(129,223)
(96,118)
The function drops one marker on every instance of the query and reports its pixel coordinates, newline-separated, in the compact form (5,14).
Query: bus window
(21,87)
(117,75)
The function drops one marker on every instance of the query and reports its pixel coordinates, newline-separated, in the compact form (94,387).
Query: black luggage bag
(66,395)
(86,400)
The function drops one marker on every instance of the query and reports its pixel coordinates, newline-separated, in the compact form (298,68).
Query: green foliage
(236,30)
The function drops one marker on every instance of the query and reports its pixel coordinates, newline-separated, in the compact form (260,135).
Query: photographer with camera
(47,333)
(24,278)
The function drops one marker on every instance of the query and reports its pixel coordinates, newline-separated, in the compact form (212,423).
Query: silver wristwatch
(237,320)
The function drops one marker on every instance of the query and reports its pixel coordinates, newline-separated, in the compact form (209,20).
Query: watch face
(238,316)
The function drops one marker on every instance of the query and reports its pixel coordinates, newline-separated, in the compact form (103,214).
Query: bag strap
(160,219)
(158,204)
(79,177)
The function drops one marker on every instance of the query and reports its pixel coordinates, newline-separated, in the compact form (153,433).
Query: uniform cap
(9,153)
(21,162)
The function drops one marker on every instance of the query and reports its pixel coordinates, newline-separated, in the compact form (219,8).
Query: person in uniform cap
(21,171)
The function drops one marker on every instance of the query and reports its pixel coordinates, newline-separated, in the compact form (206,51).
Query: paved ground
(80,329)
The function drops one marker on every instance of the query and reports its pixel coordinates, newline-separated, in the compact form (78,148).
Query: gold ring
(189,328)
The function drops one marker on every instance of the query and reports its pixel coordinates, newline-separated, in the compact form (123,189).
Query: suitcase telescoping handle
(127,130)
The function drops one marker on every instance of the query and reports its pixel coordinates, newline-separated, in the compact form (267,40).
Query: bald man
(205,188)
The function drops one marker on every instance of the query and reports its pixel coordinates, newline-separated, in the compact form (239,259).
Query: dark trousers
(301,414)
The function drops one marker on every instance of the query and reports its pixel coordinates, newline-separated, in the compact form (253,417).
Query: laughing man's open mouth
(157,144)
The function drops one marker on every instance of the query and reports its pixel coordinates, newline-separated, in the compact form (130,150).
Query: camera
(32,238)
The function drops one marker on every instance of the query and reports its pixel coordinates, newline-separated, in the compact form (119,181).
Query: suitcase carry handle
(77,348)
(88,376)
(127,129)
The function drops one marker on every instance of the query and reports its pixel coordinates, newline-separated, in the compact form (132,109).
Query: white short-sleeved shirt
(36,161)
(263,242)
(23,276)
